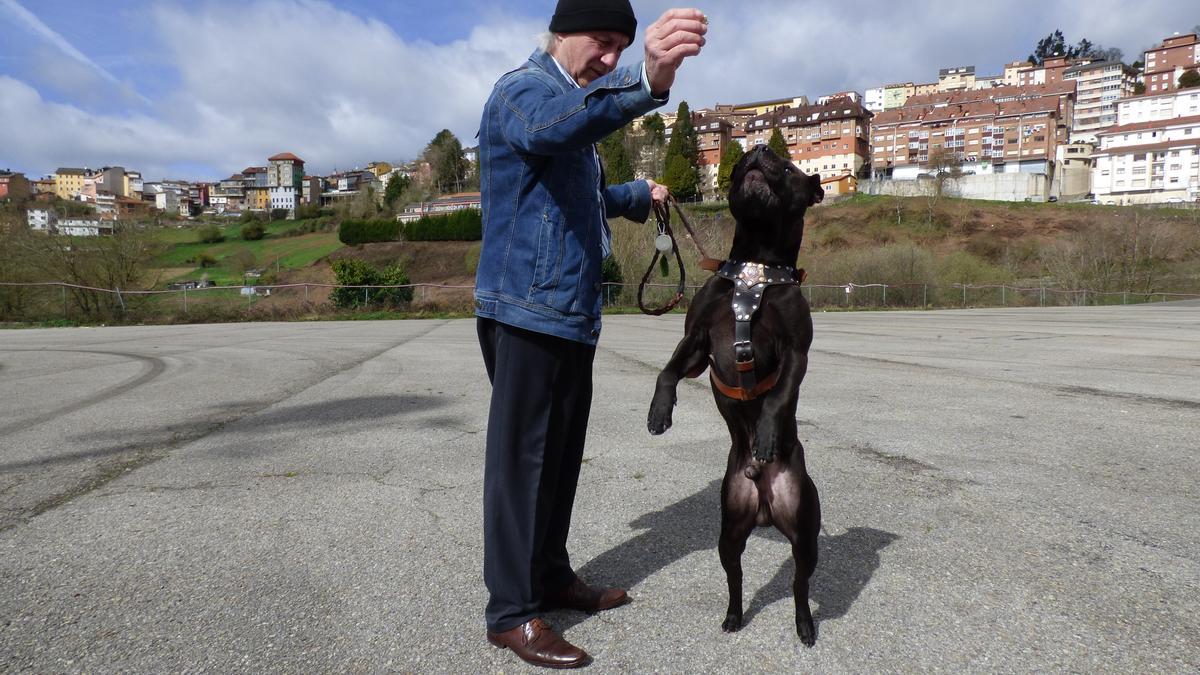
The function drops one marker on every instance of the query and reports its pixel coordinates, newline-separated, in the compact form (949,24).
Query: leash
(665,244)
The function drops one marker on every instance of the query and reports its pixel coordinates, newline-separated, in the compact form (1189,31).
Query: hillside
(865,240)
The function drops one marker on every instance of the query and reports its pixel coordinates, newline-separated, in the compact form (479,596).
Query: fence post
(924,295)
(1125,297)
(185,300)
(1043,301)
(1003,295)
(885,295)
(964,295)
(1084,303)
(64,296)
(365,302)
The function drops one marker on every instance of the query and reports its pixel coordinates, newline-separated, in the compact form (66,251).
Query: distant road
(1007,489)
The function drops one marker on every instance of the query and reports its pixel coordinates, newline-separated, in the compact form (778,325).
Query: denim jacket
(544,210)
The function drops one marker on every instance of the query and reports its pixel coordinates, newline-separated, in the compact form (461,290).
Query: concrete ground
(1003,490)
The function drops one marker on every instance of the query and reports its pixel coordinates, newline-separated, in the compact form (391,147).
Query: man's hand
(678,34)
(658,193)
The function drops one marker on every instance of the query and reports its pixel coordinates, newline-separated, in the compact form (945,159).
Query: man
(537,295)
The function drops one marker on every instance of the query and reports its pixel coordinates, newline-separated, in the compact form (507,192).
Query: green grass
(274,249)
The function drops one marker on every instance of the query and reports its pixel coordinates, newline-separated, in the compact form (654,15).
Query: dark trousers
(541,397)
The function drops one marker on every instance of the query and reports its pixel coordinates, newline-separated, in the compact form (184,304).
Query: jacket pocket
(548,268)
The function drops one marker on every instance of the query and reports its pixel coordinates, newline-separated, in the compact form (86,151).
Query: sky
(201,89)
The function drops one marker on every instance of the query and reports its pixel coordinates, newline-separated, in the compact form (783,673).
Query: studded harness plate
(750,281)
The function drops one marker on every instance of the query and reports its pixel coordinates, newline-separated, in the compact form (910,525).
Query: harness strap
(750,281)
(741,393)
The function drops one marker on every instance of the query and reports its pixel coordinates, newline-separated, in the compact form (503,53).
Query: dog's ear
(815,189)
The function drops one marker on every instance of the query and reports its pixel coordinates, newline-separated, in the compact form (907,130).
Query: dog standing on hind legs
(750,324)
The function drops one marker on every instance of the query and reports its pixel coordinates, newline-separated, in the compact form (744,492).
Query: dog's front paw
(766,443)
(659,419)
(732,623)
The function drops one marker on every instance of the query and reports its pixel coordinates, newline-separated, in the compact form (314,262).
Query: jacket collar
(547,64)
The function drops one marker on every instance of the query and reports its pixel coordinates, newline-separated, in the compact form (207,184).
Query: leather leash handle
(663,215)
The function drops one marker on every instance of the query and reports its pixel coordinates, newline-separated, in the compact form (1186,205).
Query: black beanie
(578,16)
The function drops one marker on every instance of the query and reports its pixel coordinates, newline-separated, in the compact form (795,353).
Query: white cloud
(276,75)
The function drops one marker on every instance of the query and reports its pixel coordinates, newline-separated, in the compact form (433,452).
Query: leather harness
(750,280)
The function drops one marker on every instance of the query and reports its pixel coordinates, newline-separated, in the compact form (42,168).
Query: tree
(729,159)
(656,129)
(1139,88)
(1048,46)
(779,146)
(445,155)
(1055,44)
(945,165)
(1189,79)
(617,168)
(682,174)
(396,186)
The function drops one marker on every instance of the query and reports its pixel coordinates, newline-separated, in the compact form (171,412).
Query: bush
(253,231)
(462,225)
(355,272)
(610,273)
(279,214)
(210,234)
(353,232)
(471,258)
(252,217)
(204,260)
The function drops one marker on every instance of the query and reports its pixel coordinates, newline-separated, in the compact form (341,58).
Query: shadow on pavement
(847,561)
(327,415)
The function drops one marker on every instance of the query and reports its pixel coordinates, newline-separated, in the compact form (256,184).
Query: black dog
(751,325)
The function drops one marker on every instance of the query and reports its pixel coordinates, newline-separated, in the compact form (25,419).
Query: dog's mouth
(755,183)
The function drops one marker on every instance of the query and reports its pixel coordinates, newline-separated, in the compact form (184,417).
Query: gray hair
(546,41)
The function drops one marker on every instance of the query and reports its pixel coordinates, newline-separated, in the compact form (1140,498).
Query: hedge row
(462,225)
(352,232)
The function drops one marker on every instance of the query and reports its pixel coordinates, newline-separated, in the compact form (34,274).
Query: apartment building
(829,139)
(285,175)
(41,220)
(958,78)
(1148,162)
(1098,87)
(713,134)
(1158,107)
(1166,62)
(888,97)
(1050,72)
(1012,72)
(68,182)
(1153,154)
(999,130)
(14,185)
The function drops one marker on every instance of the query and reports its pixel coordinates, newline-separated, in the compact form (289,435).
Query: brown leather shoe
(585,598)
(537,643)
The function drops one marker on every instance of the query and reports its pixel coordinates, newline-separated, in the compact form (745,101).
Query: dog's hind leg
(739,511)
(804,550)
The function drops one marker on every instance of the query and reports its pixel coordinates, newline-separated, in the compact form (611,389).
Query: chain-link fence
(53,301)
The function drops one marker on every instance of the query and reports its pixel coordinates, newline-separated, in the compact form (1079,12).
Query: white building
(1099,86)
(1154,161)
(1154,108)
(873,99)
(41,220)
(282,197)
(83,227)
